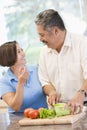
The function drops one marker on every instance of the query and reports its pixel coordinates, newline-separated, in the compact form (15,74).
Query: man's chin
(50,47)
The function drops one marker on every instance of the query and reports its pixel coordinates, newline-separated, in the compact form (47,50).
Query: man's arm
(78,99)
(50,91)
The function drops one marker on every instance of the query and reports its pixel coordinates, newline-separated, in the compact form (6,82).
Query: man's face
(48,36)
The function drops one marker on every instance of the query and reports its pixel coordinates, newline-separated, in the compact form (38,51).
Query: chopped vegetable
(47,113)
(60,110)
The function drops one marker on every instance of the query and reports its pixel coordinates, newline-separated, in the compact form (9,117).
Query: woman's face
(21,59)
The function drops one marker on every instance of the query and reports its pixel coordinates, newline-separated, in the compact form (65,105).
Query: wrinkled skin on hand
(76,103)
(53,98)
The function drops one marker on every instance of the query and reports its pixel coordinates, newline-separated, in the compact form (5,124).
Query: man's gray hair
(49,18)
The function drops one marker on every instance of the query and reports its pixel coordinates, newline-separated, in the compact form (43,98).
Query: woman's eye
(19,51)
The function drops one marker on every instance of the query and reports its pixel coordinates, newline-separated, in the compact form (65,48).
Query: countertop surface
(10,122)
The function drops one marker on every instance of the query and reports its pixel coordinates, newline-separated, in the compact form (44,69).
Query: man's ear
(56,30)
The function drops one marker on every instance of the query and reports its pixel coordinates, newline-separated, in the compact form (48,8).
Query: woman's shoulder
(7,75)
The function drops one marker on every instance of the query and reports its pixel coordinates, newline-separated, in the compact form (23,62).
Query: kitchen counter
(10,122)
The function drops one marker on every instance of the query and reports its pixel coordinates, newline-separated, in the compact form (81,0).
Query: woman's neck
(15,69)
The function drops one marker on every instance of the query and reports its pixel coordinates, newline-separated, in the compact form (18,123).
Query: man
(63,61)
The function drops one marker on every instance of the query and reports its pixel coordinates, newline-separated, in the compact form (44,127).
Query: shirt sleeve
(42,71)
(84,57)
(5,87)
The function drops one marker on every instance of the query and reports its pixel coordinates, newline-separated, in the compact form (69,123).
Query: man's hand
(50,91)
(76,103)
(53,98)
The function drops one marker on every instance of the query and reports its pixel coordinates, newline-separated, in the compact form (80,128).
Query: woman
(19,87)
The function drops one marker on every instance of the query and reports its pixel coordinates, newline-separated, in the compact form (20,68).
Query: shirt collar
(67,42)
(13,77)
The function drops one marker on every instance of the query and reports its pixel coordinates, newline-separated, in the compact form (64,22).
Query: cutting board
(70,119)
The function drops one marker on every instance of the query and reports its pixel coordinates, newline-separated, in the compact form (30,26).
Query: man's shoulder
(78,36)
(78,39)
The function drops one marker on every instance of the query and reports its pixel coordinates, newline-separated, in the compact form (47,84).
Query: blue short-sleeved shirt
(33,93)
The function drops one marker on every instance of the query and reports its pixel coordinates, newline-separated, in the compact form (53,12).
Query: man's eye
(41,35)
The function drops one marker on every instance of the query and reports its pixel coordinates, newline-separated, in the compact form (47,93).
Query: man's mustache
(45,42)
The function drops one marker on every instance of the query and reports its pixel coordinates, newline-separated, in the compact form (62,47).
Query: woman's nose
(23,53)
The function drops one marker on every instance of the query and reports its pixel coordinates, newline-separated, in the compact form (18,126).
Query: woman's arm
(15,100)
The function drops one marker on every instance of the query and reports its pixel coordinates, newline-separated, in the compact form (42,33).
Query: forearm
(78,98)
(48,89)
(81,93)
(18,98)
(19,95)
(15,100)
(83,89)
(84,86)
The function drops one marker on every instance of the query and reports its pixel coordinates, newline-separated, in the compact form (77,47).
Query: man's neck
(62,39)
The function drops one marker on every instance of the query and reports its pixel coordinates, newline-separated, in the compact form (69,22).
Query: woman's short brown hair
(8,54)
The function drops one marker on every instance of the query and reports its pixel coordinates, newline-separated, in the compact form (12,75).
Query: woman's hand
(15,100)
(23,75)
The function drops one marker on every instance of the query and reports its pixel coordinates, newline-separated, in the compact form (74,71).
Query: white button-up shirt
(66,70)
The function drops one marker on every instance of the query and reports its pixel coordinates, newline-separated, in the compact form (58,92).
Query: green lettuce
(47,113)
(60,110)
(56,112)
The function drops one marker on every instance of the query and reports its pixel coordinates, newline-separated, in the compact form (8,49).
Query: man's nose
(41,39)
